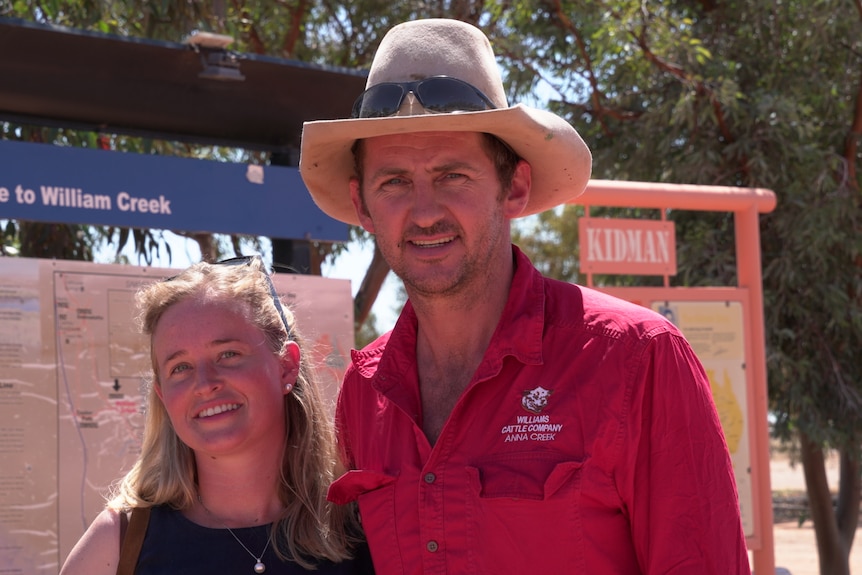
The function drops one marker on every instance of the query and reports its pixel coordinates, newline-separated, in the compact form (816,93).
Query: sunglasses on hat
(438,94)
(276,300)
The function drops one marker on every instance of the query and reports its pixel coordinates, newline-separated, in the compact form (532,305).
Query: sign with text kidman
(627,246)
(46,183)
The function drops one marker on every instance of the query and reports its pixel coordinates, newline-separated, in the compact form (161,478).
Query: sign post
(724,324)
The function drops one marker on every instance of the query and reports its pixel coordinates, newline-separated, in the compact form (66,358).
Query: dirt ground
(795,547)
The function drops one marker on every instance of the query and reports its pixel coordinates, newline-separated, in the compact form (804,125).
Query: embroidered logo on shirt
(535,400)
(531,428)
(535,427)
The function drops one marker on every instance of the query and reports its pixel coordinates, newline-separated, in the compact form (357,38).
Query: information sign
(627,246)
(48,183)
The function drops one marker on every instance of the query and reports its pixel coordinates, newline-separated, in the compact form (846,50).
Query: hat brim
(560,160)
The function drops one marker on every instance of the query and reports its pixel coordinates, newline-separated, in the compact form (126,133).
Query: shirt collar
(518,334)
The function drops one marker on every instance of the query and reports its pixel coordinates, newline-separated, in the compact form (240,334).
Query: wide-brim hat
(560,160)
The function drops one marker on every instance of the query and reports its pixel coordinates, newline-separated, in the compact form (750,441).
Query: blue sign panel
(47,183)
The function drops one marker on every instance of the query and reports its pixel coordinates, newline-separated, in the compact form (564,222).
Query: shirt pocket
(525,515)
(375,493)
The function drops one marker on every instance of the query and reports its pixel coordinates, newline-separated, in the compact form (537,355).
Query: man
(509,423)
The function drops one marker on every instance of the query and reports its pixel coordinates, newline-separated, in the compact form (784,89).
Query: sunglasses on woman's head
(246,261)
(438,94)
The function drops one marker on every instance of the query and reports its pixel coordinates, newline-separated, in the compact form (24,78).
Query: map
(73,373)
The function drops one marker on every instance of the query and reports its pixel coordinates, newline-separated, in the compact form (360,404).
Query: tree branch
(205,242)
(851,144)
(370,288)
(700,87)
(253,37)
(596,95)
(293,34)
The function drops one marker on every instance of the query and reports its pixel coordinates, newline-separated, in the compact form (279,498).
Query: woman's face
(221,384)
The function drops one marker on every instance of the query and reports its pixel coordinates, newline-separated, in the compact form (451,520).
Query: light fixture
(218,63)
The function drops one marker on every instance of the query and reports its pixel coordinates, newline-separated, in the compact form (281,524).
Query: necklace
(259,566)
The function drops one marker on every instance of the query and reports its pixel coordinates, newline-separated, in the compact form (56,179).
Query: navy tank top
(174,545)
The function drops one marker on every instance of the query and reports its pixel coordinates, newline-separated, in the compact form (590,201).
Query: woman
(238,451)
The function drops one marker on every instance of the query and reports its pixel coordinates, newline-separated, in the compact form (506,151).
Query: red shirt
(587,442)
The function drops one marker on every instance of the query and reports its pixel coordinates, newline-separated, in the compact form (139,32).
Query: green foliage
(550,239)
(367,333)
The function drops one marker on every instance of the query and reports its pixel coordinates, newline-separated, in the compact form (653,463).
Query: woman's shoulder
(98,550)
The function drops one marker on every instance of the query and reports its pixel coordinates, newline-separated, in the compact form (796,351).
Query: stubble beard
(466,282)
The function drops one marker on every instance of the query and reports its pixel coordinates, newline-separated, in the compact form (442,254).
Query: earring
(288,387)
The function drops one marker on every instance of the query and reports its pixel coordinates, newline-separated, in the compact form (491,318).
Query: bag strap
(132,539)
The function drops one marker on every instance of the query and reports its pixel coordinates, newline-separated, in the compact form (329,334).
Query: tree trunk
(206,243)
(370,288)
(832,549)
(849,494)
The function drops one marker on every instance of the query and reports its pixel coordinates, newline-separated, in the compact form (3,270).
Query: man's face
(435,203)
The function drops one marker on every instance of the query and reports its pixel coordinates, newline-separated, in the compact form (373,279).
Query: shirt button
(430,478)
(431,546)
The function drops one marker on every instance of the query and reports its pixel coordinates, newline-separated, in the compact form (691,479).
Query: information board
(72,373)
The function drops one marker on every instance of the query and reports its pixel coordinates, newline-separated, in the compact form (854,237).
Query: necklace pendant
(259,567)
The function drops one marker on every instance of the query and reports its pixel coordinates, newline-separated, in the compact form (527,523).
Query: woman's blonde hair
(164,474)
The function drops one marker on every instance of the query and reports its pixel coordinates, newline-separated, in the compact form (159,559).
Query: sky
(352,265)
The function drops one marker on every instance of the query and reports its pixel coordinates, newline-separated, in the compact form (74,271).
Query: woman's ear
(290,359)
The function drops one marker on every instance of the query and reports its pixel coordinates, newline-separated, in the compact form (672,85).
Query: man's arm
(679,484)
